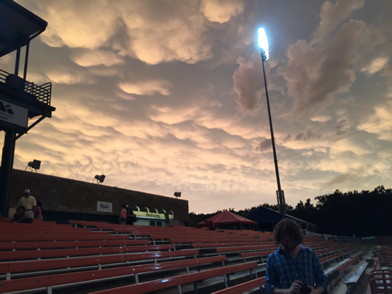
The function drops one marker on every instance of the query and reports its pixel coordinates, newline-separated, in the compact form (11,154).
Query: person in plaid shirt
(293,268)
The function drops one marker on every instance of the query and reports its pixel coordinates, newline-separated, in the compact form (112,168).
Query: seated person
(123,214)
(19,216)
(131,217)
(38,211)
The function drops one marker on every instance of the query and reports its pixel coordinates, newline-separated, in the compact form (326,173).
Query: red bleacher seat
(178,280)
(69,279)
(243,287)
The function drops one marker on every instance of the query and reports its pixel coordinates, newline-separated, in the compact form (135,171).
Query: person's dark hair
(289,228)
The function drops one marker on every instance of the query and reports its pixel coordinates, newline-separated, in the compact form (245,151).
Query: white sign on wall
(13,114)
(104,206)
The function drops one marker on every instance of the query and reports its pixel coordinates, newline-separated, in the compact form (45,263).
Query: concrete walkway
(363,288)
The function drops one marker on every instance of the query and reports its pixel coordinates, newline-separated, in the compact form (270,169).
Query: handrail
(43,92)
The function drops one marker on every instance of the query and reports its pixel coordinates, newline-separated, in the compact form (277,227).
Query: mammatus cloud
(68,77)
(265,145)
(341,180)
(380,123)
(157,37)
(144,94)
(377,64)
(170,115)
(348,145)
(88,58)
(153,36)
(321,118)
(78,25)
(332,15)
(221,11)
(318,69)
(147,87)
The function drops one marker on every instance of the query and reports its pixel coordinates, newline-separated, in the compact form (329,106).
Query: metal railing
(3,75)
(43,92)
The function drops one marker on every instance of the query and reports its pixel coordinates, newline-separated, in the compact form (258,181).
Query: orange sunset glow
(164,96)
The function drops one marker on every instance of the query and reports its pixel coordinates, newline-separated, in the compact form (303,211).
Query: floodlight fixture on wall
(99,178)
(177,194)
(34,165)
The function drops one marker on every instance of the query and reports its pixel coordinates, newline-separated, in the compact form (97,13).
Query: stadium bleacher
(380,281)
(109,258)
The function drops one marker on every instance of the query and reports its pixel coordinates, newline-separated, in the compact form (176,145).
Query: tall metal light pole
(263,45)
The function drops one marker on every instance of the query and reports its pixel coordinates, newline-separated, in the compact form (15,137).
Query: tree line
(360,214)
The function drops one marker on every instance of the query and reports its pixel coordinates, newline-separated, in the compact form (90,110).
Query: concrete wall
(71,196)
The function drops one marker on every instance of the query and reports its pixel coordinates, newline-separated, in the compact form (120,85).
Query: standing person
(167,219)
(293,268)
(123,214)
(29,203)
(38,211)
(131,217)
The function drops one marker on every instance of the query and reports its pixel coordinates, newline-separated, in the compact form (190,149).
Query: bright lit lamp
(99,178)
(262,42)
(34,165)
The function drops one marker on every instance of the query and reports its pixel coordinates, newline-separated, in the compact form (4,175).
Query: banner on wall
(152,213)
(104,206)
(13,114)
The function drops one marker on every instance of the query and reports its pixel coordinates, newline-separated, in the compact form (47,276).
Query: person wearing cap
(29,203)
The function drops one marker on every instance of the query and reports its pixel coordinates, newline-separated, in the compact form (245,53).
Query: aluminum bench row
(31,267)
(56,281)
(179,280)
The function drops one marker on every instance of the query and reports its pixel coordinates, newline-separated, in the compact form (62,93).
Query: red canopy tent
(226,218)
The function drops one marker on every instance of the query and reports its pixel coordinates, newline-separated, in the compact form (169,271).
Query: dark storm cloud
(314,74)
(303,136)
(265,145)
(247,82)
(309,135)
(332,14)
(342,127)
(346,179)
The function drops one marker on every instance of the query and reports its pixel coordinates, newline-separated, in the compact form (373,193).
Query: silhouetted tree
(353,213)
(356,213)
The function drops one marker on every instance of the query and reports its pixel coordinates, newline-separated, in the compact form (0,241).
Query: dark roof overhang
(18,26)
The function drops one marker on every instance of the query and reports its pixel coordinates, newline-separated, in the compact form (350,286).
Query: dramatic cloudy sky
(167,95)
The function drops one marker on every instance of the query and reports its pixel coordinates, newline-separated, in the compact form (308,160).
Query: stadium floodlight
(264,50)
(263,43)
(99,178)
(34,165)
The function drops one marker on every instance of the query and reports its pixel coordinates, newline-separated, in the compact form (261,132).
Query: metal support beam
(7,159)
(279,192)
(7,162)
(26,61)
